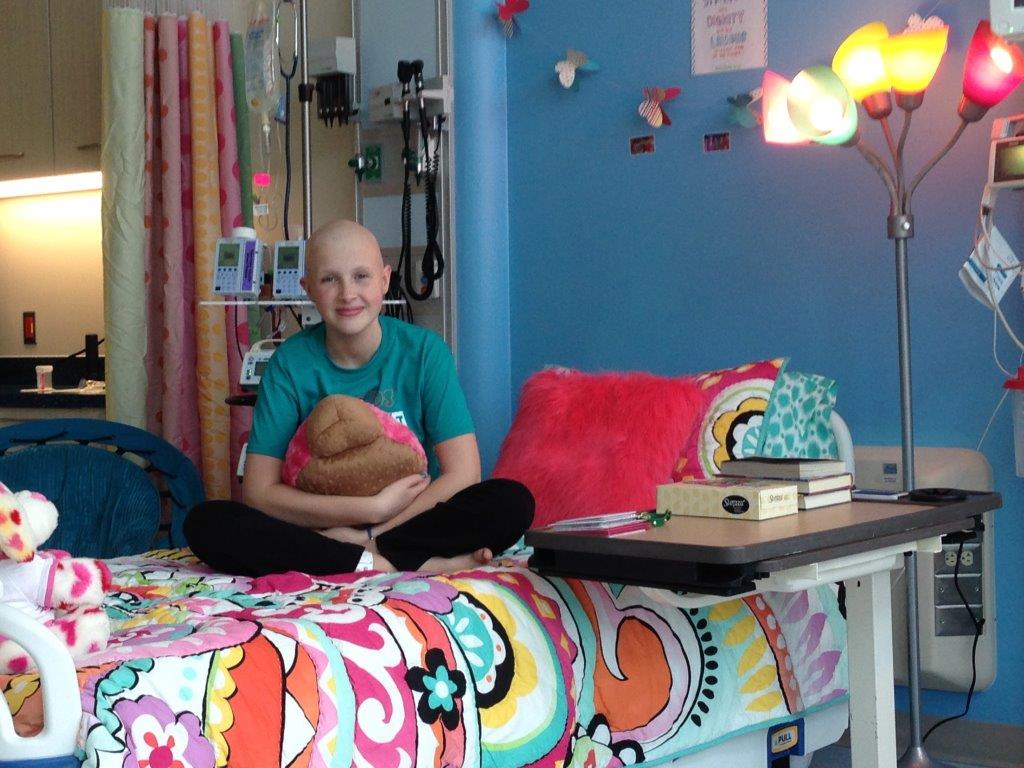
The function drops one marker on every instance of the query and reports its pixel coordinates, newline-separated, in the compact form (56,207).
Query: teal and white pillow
(796,422)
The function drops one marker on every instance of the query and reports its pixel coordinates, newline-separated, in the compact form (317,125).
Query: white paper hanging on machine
(990,269)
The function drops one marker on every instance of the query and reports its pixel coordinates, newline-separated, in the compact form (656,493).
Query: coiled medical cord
(432,264)
(288,76)
(395,293)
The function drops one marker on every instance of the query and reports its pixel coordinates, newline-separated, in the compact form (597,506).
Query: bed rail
(54,746)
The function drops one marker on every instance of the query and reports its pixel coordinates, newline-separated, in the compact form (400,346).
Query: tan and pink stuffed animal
(347,447)
(61,592)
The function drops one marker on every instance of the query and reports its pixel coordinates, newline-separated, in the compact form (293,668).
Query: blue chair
(119,490)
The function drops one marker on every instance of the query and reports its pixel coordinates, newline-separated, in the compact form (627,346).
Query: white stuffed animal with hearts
(61,592)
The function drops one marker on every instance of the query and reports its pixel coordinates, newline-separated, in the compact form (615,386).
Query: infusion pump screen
(228,255)
(1009,161)
(287,258)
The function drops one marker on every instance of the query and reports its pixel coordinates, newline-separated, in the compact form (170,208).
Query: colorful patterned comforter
(494,667)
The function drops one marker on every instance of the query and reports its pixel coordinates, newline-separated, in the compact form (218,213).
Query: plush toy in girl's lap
(61,592)
(347,447)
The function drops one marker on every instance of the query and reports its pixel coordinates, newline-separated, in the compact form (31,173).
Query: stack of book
(819,482)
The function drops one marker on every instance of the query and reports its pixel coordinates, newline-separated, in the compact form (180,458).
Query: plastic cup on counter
(44,378)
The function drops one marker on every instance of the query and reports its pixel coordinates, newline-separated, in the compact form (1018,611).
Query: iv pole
(305,96)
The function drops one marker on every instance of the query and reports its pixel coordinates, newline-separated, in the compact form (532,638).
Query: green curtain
(244,156)
(124,293)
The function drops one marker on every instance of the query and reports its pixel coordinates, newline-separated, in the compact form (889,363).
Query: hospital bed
(498,666)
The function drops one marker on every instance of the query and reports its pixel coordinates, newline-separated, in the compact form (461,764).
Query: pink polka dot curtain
(170,190)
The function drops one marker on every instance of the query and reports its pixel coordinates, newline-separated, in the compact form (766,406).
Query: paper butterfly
(744,111)
(651,108)
(917,24)
(574,61)
(507,11)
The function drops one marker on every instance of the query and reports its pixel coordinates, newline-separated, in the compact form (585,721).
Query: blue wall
(683,261)
(481,211)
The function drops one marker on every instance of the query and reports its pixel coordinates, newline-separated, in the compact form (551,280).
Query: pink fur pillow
(587,444)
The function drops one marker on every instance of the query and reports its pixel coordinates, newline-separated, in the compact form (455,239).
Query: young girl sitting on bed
(447,521)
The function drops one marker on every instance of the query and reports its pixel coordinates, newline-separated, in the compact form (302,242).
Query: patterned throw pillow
(796,424)
(731,426)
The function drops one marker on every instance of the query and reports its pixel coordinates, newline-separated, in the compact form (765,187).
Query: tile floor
(839,757)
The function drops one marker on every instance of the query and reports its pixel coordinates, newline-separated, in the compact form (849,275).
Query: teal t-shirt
(411,376)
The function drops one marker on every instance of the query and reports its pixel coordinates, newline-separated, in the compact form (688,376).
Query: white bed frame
(62,701)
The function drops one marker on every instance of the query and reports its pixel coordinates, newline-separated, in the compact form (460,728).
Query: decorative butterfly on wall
(651,108)
(507,12)
(574,61)
(745,108)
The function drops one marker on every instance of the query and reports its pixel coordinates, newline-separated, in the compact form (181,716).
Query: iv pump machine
(238,267)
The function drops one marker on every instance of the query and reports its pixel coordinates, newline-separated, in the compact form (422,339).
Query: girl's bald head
(341,236)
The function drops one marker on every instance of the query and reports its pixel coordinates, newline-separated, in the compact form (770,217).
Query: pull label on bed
(785,739)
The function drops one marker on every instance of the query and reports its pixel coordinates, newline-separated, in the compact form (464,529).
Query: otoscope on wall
(424,167)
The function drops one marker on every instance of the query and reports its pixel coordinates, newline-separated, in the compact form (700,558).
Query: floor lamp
(820,105)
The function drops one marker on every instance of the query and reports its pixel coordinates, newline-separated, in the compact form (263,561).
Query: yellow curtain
(212,364)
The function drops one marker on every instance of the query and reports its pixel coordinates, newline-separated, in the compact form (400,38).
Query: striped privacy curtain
(171,187)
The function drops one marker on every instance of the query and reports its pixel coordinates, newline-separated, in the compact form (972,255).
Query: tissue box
(732,498)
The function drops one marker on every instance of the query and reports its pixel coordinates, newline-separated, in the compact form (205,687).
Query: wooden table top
(840,529)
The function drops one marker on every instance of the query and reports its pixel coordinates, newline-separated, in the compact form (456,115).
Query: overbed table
(713,559)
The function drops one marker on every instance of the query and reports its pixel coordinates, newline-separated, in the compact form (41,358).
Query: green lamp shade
(820,106)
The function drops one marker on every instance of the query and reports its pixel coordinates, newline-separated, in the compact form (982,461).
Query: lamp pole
(871,66)
(901,229)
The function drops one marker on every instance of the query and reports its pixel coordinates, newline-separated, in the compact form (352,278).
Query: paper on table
(598,521)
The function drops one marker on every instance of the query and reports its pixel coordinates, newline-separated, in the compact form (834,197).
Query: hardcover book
(825,499)
(815,484)
(783,469)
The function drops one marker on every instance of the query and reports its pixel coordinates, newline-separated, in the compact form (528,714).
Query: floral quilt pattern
(497,666)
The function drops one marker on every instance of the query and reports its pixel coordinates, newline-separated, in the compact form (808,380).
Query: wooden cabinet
(75,31)
(26,122)
(50,87)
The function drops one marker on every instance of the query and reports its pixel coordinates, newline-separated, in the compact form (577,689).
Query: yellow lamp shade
(778,128)
(912,58)
(859,63)
(819,104)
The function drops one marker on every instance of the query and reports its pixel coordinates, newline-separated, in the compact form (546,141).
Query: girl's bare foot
(458,563)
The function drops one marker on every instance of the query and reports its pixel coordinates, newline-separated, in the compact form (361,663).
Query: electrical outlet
(28,327)
(966,558)
(310,316)
(950,557)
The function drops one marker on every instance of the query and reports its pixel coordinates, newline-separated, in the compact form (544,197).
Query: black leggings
(237,539)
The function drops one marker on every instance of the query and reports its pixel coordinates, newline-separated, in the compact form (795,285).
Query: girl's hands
(397,496)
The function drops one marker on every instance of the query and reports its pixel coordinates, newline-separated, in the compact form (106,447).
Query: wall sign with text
(726,35)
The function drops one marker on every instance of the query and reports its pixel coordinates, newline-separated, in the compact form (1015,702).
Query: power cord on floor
(978,624)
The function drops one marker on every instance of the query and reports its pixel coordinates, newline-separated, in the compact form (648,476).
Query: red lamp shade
(775,121)
(992,69)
